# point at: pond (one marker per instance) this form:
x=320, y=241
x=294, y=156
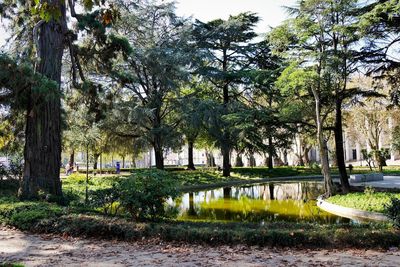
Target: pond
x=294, y=201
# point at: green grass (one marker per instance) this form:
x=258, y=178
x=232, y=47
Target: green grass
x=364, y=201
x=203, y=177
x=263, y=172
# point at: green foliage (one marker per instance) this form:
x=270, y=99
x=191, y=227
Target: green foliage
x=106, y=199
x=392, y=209
x=46, y=10
x=11, y=265
x=200, y=177
x=369, y=201
x=25, y=215
x=144, y=194
x=261, y=172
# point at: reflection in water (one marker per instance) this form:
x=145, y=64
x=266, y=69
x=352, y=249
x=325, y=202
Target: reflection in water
x=257, y=203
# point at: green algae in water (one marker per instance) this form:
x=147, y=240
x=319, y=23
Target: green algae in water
x=293, y=202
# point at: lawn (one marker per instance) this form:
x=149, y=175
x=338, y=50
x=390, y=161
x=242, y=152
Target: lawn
x=374, y=201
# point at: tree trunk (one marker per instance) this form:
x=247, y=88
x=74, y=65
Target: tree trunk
x=101, y=164
x=190, y=156
x=285, y=158
x=339, y=148
x=271, y=191
x=328, y=184
x=305, y=155
x=158, y=152
x=252, y=160
x=270, y=153
x=239, y=161
x=71, y=159
x=300, y=156
x=42, y=152
x=96, y=160
x=123, y=162
x=210, y=159
x=87, y=176
x=226, y=163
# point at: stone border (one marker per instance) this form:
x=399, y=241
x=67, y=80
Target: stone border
x=360, y=215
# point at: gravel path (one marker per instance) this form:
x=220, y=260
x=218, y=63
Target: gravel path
x=46, y=250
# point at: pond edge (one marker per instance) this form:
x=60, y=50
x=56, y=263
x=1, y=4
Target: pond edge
x=350, y=212
x=245, y=180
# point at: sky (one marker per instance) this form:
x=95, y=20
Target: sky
x=271, y=12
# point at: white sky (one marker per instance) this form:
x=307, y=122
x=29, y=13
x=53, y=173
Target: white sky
x=270, y=11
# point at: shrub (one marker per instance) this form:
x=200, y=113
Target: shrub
x=25, y=215
x=392, y=209
x=107, y=199
x=144, y=193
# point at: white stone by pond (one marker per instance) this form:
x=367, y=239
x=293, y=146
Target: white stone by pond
x=387, y=182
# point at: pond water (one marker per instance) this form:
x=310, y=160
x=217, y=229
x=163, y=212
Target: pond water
x=295, y=202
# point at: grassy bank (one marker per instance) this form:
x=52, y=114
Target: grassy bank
x=41, y=217
x=374, y=201
x=79, y=220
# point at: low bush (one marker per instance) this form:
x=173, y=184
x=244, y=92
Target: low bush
x=25, y=215
x=392, y=209
x=11, y=265
x=106, y=199
x=9, y=187
x=143, y=194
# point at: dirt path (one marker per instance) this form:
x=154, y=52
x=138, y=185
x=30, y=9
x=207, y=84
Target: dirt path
x=42, y=250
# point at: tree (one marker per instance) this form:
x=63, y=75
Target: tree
x=191, y=123
x=42, y=153
x=324, y=33
x=296, y=77
x=225, y=47
x=370, y=118
x=268, y=101
x=153, y=69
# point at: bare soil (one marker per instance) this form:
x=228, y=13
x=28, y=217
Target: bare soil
x=48, y=250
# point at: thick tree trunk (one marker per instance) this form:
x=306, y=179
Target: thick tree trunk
x=190, y=156
x=226, y=163
x=42, y=153
x=123, y=162
x=158, y=152
x=339, y=148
